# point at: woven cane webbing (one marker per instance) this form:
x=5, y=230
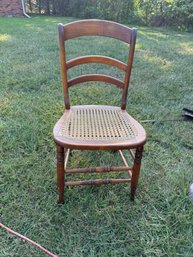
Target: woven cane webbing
x=97, y=124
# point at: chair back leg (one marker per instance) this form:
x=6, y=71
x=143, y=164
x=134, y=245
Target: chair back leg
x=136, y=171
x=60, y=173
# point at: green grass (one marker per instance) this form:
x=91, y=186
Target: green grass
x=94, y=221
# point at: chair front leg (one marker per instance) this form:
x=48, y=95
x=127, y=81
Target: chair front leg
x=136, y=171
x=60, y=173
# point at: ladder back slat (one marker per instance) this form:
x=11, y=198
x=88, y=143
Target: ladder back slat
x=96, y=59
x=96, y=77
x=97, y=28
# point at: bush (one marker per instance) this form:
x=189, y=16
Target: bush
x=178, y=13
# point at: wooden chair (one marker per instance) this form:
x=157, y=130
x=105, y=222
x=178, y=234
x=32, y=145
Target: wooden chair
x=97, y=127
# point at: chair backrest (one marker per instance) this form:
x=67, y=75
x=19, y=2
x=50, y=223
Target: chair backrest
x=96, y=28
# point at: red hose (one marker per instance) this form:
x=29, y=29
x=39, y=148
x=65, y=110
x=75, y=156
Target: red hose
x=29, y=240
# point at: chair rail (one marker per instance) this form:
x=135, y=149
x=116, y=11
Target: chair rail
x=96, y=182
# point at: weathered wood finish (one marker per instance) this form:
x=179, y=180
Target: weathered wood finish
x=126, y=163
x=131, y=152
x=113, y=138
x=66, y=158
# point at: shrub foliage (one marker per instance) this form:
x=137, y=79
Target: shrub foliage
x=177, y=13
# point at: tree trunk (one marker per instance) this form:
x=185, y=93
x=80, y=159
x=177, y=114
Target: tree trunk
x=48, y=7
x=30, y=6
x=53, y=7
x=40, y=7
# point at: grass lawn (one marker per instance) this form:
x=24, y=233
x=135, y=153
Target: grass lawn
x=94, y=221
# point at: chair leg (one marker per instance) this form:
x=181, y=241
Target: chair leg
x=136, y=171
x=60, y=173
